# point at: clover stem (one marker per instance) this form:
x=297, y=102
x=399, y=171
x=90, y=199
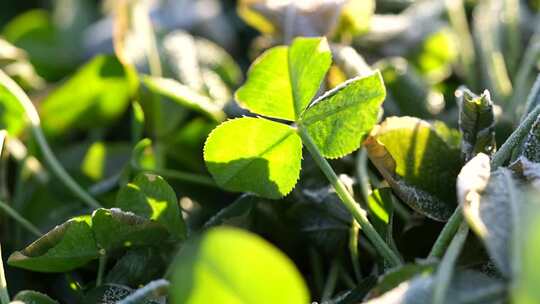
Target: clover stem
x=514, y=139
x=101, y=267
x=4, y=295
x=446, y=235
x=20, y=219
x=155, y=288
x=446, y=267
x=348, y=201
x=353, y=249
x=331, y=281
x=35, y=125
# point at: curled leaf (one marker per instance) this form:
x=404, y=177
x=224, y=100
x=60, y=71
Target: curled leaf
x=490, y=205
x=419, y=165
x=476, y=123
x=64, y=248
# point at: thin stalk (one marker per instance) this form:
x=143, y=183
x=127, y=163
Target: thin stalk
x=446, y=235
x=4, y=295
x=192, y=178
x=512, y=35
x=532, y=99
x=331, y=280
x=446, y=267
x=35, y=125
x=156, y=288
x=20, y=219
x=514, y=139
x=315, y=262
x=532, y=52
x=101, y=267
x=142, y=13
x=362, y=174
x=354, y=233
x=348, y=201
x=458, y=21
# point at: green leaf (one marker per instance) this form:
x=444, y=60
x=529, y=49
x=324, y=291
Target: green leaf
x=436, y=54
x=233, y=266
x=184, y=96
x=33, y=297
x=143, y=155
x=137, y=267
x=35, y=32
x=107, y=294
x=490, y=205
x=477, y=123
x=254, y=155
x=380, y=209
x=417, y=163
x=394, y=277
x=12, y=116
x=151, y=197
x=62, y=249
x=407, y=92
x=526, y=289
x=235, y=214
x=340, y=119
x=531, y=145
x=79, y=240
x=283, y=81
x=115, y=229
x=466, y=287
x=97, y=94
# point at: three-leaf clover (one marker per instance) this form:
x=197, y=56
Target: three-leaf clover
x=262, y=156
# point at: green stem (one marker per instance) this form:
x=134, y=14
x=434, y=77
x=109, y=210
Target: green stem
x=526, y=66
x=101, y=267
x=353, y=249
x=35, y=125
x=458, y=21
x=348, y=201
x=446, y=234
x=514, y=139
x=179, y=175
x=446, y=267
x=512, y=35
x=331, y=281
x=362, y=174
x=4, y=295
x=155, y=288
x=20, y=219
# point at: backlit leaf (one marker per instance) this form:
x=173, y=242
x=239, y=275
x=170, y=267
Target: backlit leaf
x=184, y=96
x=264, y=158
x=97, y=94
x=151, y=197
x=233, y=266
x=417, y=163
x=12, y=116
x=282, y=82
x=342, y=117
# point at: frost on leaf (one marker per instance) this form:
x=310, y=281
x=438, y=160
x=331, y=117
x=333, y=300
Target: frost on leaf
x=418, y=164
x=476, y=123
